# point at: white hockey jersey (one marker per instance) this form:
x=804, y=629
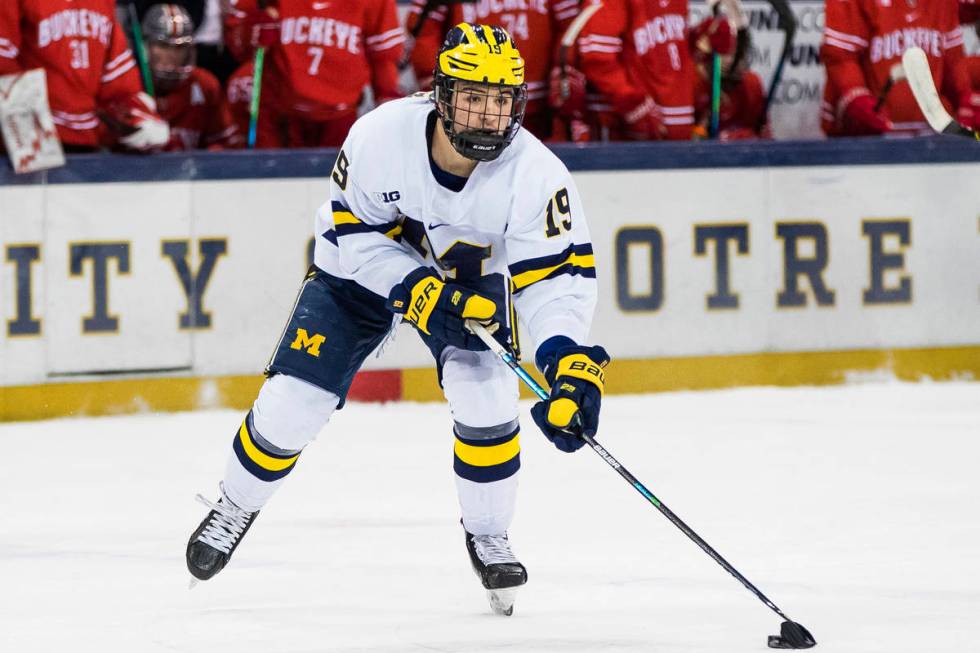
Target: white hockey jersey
x=515, y=232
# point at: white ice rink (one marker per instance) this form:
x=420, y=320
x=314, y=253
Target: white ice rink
x=855, y=509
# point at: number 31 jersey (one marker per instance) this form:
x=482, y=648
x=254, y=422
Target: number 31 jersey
x=513, y=230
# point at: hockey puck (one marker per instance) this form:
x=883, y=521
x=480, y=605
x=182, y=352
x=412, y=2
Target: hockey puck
x=793, y=636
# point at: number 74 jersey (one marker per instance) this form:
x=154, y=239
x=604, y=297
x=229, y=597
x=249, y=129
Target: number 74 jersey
x=514, y=231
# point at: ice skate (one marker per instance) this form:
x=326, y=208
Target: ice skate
x=211, y=545
x=498, y=569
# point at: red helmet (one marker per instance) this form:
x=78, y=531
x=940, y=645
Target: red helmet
x=713, y=35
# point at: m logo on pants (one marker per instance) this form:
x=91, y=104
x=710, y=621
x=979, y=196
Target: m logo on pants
x=310, y=343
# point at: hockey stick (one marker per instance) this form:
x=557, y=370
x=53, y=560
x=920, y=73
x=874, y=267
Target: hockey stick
x=715, y=125
x=413, y=33
x=792, y=634
x=568, y=40
x=927, y=97
x=564, y=47
x=140, y=47
x=253, y=108
x=896, y=74
x=427, y=9
x=787, y=22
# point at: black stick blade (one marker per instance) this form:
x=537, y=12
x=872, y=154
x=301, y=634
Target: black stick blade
x=792, y=635
x=956, y=129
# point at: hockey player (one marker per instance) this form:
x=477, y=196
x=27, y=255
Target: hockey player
x=91, y=73
x=863, y=39
x=189, y=98
x=634, y=53
x=238, y=95
x=535, y=26
x=969, y=112
x=742, y=95
x=320, y=57
x=427, y=222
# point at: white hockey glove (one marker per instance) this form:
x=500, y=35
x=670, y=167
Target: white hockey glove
x=136, y=123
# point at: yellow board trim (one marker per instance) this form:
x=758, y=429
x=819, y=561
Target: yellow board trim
x=488, y=456
x=525, y=279
x=169, y=394
x=126, y=396
x=634, y=376
x=344, y=217
x=260, y=458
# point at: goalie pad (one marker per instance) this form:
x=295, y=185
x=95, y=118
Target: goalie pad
x=29, y=132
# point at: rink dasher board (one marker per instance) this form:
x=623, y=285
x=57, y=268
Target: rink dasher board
x=171, y=294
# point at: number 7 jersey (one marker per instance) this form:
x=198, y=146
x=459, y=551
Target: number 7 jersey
x=514, y=230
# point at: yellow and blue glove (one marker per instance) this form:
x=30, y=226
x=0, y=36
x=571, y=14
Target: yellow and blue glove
x=440, y=309
x=577, y=378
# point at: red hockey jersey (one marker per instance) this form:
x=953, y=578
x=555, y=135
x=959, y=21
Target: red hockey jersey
x=863, y=39
x=83, y=52
x=198, y=115
x=636, y=48
x=739, y=107
x=535, y=25
x=327, y=53
x=238, y=95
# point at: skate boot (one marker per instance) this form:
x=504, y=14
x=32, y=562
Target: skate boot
x=498, y=569
x=211, y=545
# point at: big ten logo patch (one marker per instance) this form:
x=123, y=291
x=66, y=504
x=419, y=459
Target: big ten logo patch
x=307, y=342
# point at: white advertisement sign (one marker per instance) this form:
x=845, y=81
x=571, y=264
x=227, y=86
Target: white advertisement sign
x=198, y=278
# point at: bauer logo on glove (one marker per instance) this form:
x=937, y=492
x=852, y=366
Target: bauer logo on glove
x=577, y=381
x=439, y=309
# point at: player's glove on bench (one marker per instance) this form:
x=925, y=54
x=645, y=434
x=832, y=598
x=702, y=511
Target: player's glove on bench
x=440, y=309
x=577, y=379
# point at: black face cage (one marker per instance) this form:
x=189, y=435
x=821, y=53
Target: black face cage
x=479, y=144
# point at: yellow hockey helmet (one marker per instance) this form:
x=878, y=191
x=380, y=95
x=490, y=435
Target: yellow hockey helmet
x=483, y=61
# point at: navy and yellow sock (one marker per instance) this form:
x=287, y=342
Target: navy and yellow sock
x=263, y=460
x=486, y=459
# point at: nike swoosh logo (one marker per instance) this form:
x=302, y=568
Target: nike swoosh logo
x=433, y=227
x=319, y=6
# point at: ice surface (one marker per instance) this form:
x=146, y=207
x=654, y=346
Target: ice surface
x=853, y=508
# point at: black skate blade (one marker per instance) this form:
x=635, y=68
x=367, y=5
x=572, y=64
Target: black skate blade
x=793, y=636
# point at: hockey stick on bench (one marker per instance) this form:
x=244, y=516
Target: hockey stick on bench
x=792, y=634
x=927, y=97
